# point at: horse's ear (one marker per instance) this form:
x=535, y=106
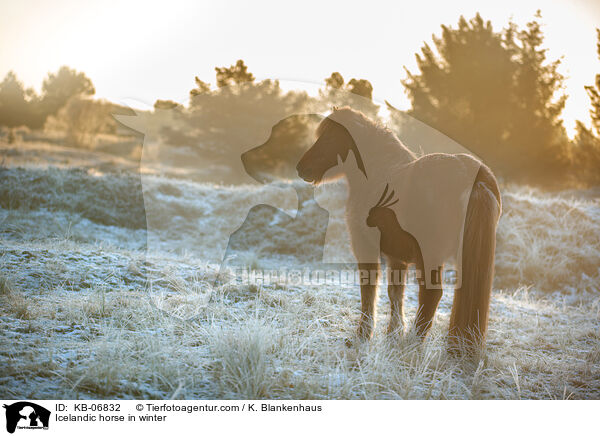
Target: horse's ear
x=334, y=108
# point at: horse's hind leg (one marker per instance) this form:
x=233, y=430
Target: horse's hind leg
x=428, y=303
x=369, y=275
x=396, y=274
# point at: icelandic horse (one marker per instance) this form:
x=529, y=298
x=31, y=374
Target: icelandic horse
x=449, y=203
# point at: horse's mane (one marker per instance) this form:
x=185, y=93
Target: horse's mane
x=370, y=136
x=357, y=117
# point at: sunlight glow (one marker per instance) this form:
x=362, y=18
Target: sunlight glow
x=151, y=50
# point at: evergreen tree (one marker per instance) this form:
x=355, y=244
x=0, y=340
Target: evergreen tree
x=235, y=74
x=361, y=87
x=201, y=87
x=17, y=105
x=58, y=88
x=594, y=93
x=222, y=123
x=335, y=81
x=357, y=93
x=586, y=150
x=495, y=93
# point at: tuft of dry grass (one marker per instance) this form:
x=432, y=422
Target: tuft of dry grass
x=549, y=242
x=242, y=358
x=6, y=286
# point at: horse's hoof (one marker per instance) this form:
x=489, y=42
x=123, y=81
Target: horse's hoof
x=396, y=330
x=365, y=332
x=359, y=338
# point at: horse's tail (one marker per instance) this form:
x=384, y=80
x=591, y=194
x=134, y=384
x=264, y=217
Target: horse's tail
x=469, y=318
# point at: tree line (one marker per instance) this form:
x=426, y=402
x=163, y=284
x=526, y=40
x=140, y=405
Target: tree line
x=20, y=106
x=497, y=94
x=494, y=91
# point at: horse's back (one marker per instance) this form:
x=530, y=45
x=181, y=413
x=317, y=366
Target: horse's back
x=457, y=163
x=434, y=192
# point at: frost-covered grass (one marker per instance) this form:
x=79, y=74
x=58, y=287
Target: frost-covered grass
x=86, y=311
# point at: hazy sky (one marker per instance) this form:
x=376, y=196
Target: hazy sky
x=147, y=50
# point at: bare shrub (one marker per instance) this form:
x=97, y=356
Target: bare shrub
x=82, y=120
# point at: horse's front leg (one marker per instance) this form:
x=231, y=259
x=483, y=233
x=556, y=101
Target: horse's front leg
x=396, y=271
x=369, y=276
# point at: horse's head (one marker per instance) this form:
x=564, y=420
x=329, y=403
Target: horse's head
x=381, y=214
x=333, y=142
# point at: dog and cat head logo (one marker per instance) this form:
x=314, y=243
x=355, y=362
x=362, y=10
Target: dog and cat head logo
x=26, y=415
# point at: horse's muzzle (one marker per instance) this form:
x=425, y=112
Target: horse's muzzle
x=303, y=174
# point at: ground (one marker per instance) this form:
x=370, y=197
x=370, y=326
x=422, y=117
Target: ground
x=88, y=310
